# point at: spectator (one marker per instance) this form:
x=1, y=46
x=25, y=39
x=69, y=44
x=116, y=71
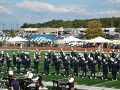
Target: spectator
x=38, y=81
x=10, y=75
x=15, y=84
x=71, y=82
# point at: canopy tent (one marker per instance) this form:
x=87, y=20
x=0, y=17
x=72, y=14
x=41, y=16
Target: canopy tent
x=71, y=38
x=49, y=36
x=17, y=39
x=116, y=41
x=99, y=40
x=42, y=38
x=5, y=38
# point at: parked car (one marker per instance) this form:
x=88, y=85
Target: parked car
x=55, y=45
x=75, y=44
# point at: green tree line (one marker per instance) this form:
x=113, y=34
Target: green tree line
x=106, y=22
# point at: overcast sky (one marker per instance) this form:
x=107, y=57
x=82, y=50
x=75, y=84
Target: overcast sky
x=13, y=13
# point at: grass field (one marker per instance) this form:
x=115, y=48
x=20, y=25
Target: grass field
x=78, y=80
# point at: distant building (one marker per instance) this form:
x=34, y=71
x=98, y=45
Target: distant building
x=49, y=30
x=38, y=30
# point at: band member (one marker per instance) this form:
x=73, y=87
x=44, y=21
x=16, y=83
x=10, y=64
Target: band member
x=80, y=60
x=89, y=63
x=76, y=65
x=72, y=53
x=66, y=67
x=57, y=66
x=14, y=59
x=96, y=55
x=118, y=65
x=99, y=63
x=93, y=69
x=61, y=51
x=46, y=65
x=2, y=58
x=71, y=62
x=36, y=65
x=114, y=71
x=8, y=61
x=18, y=64
x=36, y=61
x=105, y=70
x=49, y=54
x=85, y=54
x=113, y=54
x=103, y=56
x=84, y=68
x=109, y=63
x=27, y=60
x=38, y=52
x=91, y=54
x=54, y=58
x=22, y=57
x=18, y=52
x=0, y=63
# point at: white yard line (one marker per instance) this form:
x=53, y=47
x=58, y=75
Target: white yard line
x=102, y=83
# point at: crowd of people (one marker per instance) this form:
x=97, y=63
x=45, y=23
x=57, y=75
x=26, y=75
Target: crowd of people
x=83, y=63
x=80, y=63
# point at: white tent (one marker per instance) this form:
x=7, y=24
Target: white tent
x=99, y=40
x=17, y=39
x=71, y=38
x=116, y=41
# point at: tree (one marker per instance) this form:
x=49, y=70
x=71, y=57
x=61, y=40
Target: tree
x=12, y=33
x=25, y=25
x=94, y=29
x=118, y=29
x=105, y=22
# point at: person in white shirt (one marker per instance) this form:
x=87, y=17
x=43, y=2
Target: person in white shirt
x=29, y=74
x=26, y=73
x=38, y=81
x=71, y=82
x=10, y=72
x=10, y=75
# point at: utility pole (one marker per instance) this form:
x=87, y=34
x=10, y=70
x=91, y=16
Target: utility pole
x=11, y=26
x=16, y=25
x=3, y=26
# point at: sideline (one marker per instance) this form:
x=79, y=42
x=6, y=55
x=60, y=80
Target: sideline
x=102, y=83
x=51, y=50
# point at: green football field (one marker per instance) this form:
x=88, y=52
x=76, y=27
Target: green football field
x=78, y=80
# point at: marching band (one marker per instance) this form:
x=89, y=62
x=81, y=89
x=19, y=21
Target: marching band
x=83, y=64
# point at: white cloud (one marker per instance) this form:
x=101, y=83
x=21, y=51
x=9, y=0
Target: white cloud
x=113, y=2
x=2, y=1
x=46, y=7
x=79, y=11
x=107, y=13
x=41, y=6
x=4, y=10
